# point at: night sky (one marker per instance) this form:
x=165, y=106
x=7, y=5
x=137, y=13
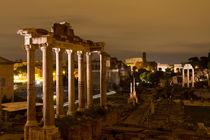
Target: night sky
x=170, y=31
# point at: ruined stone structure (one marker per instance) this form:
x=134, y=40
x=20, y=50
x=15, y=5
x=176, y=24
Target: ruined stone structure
x=133, y=98
x=177, y=68
x=60, y=39
x=190, y=73
x=6, y=78
x=162, y=67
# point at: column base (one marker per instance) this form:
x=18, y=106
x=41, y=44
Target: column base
x=31, y=123
x=59, y=116
x=28, y=126
x=70, y=113
x=81, y=109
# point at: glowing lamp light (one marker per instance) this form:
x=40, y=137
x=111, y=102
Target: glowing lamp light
x=54, y=97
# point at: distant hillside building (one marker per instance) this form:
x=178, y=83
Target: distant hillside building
x=6, y=78
x=141, y=62
x=162, y=67
x=131, y=62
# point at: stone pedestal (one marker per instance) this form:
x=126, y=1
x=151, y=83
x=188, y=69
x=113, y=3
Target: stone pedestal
x=59, y=83
x=71, y=83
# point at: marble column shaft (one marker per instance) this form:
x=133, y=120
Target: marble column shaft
x=193, y=78
x=89, y=79
x=71, y=83
x=31, y=94
x=81, y=81
x=188, y=78
x=59, y=83
x=183, y=78
x=103, y=102
x=48, y=103
x=0, y=105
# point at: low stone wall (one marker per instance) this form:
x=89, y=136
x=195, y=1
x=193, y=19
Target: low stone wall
x=205, y=93
x=91, y=129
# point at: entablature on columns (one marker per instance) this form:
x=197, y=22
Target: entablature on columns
x=62, y=36
x=188, y=66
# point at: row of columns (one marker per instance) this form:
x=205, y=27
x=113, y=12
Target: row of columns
x=188, y=78
x=48, y=103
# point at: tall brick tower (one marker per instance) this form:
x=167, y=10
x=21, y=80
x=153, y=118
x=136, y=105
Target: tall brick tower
x=144, y=57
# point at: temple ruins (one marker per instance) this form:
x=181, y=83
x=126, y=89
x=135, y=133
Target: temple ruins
x=190, y=75
x=61, y=39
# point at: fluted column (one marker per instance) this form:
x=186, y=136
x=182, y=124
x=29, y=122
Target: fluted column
x=81, y=81
x=48, y=104
x=193, y=78
x=89, y=79
x=31, y=94
x=103, y=102
x=59, y=82
x=71, y=83
x=188, y=78
x=183, y=78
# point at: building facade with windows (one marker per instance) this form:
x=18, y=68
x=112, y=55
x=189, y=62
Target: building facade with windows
x=6, y=79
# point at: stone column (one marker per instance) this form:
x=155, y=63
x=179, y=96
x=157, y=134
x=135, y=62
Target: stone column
x=131, y=89
x=134, y=90
x=183, y=78
x=103, y=102
x=193, y=78
x=71, y=83
x=85, y=85
x=0, y=105
x=188, y=78
x=89, y=80
x=48, y=103
x=80, y=81
x=31, y=94
x=209, y=78
x=59, y=83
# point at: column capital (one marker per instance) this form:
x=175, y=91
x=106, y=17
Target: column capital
x=80, y=53
x=69, y=51
x=58, y=50
x=29, y=47
x=88, y=53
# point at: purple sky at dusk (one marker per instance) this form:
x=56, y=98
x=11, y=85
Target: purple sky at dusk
x=170, y=31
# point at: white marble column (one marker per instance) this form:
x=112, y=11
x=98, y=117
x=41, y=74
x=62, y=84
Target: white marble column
x=188, y=78
x=71, y=83
x=89, y=80
x=48, y=103
x=31, y=93
x=103, y=101
x=183, y=78
x=59, y=82
x=131, y=90
x=193, y=78
x=81, y=81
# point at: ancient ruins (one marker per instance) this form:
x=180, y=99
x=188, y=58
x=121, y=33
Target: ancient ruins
x=59, y=40
x=190, y=73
